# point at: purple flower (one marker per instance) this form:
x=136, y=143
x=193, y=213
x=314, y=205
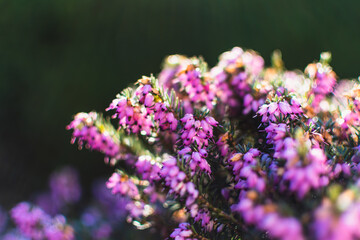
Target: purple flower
x=172, y=66
x=196, y=160
x=176, y=180
x=274, y=110
x=148, y=170
x=103, y=231
x=86, y=131
x=234, y=75
x=91, y=217
x=197, y=131
x=65, y=186
x=245, y=173
x=206, y=222
x=28, y=219
x=252, y=104
x=282, y=228
x=285, y=108
x=324, y=79
x=200, y=92
x=223, y=145
x=186, y=77
x=58, y=230
x=138, y=209
x=276, y=133
x=34, y=223
x=164, y=117
x=131, y=117
x=183, y=232
x=338, y=221
x=15, y=234
x=113, y=206
x=310, y=173
x=266, y=218
x=123, y=185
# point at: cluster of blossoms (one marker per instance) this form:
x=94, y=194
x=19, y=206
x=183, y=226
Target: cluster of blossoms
x=266, y=218
x=51, y=216
x=237, y=151
x=45, y=218
x=175, y=179
x=94, y=135
x=190, y=80
x=338, y=215
x=183, y=232
x=304, y=174
x=34, y=223
x=121, y=184
x=323, y=80
x=236, y=77
x=196, y=133
x=245, y=173
x=144, y=110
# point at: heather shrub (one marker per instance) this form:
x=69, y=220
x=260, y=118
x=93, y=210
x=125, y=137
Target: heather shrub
x=236, y=151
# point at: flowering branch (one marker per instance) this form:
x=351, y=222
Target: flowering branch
x=236, y=148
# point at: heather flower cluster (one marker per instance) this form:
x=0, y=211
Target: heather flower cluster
x=51, y=215
x=196, y=133
x=176, y=180
x=236, y=151
x=94, y=134
x=34, y=223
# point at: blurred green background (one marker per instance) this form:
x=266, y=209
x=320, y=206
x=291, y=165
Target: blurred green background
x=59, y=57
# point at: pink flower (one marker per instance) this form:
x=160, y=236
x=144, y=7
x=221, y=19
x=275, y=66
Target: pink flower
x=175, y=179
x=34, y=223
x=86, y=131
x=285, y=107
x=275, y=110
x=123, y=185
x=277, y=226
x=183, y=232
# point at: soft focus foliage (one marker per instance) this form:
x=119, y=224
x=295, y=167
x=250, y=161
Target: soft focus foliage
x=62, y=214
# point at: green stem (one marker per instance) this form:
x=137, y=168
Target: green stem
x=220, y=212
x=199, y=237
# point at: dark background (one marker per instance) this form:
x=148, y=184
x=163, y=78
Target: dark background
x=59, y=57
